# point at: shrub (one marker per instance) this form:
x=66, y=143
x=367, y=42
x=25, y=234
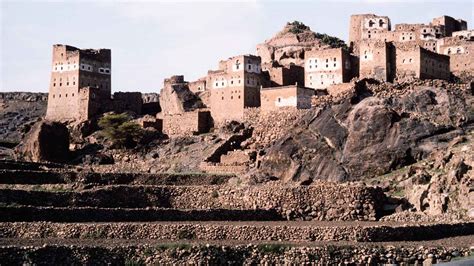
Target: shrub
x=120, y=130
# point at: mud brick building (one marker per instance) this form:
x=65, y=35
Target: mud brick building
x=80, y=86
x=293, y=96
x=460, y=49
x=79, y=80
x=327, y=67
x=234, y=87
x=375, y=60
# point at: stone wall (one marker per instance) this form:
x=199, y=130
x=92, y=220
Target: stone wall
x=321, y=201
x=287, y=96
x=187, y=123
x=127, y=101
x=215, y=254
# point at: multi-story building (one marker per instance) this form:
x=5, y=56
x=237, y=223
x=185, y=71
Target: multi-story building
x=80, y=79
x=234, y=87
x=327, y=67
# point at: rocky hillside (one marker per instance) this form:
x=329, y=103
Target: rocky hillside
x=18, y=112
x=288, y=45
x=370, y=132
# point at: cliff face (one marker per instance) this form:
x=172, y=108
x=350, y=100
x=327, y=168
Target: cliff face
x=18, y=112
x=288, y=46
x=369, y=134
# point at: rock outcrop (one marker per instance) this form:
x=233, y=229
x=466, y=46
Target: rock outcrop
x=367, y=135
x=288, y=46
x=18, y=112
x=47, y=141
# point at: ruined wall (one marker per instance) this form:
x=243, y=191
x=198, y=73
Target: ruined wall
x=287, y=96
x=367, y=26
x=283, y=76
x=449, y=24
x=198, y=85
x=127, y=101
x=326, y=67
x=434, y=65
x=186, y=123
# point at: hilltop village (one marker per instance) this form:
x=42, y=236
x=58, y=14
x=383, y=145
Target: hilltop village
x=289, y=70
x=311, y=151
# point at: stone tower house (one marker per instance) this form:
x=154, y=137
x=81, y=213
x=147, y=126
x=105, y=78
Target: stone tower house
x=80, y=83
x=235, y=86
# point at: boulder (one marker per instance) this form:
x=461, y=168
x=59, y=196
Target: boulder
x=366, y=136
x=47, y=141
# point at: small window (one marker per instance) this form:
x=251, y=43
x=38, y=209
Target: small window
x=60, y=84
x=222, y=97
x=54, y=84
x=73, y=95
x=54, y=96
x=67, y=83
x=66, y=95
x=217, y=84
x=334, y=59
x=279, y=99
x=231, y=97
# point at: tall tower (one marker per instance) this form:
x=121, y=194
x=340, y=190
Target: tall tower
x=78, y=77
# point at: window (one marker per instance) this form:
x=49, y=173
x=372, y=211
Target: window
x=107, y=71
x=222, y=97
x=279, y=99
x=66, y=95
x=60, y=84
x=82, y=67
x=231, y=97
x=334, y=64
x=54, y=96
x=381, y=23
x=217, y=84
x=334, y=59
x=250, y=67
x=89, y=68
x=73, y=83
x=54, y=84
x=232, y=82
x=73, y=95
x=371, y=23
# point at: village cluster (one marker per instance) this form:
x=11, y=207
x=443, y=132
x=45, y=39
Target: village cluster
x=289, y=70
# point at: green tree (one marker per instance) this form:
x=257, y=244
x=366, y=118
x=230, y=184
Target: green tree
x=120, y=130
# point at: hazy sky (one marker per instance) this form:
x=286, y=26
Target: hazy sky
x=151, y=40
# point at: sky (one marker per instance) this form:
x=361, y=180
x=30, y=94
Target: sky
x=152, y=40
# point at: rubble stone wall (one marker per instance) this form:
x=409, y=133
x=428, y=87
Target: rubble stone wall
x=322, y=201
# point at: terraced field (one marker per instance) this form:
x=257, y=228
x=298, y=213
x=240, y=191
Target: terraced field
x=54, y=215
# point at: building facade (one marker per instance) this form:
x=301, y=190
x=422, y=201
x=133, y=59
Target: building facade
x=79, y=78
